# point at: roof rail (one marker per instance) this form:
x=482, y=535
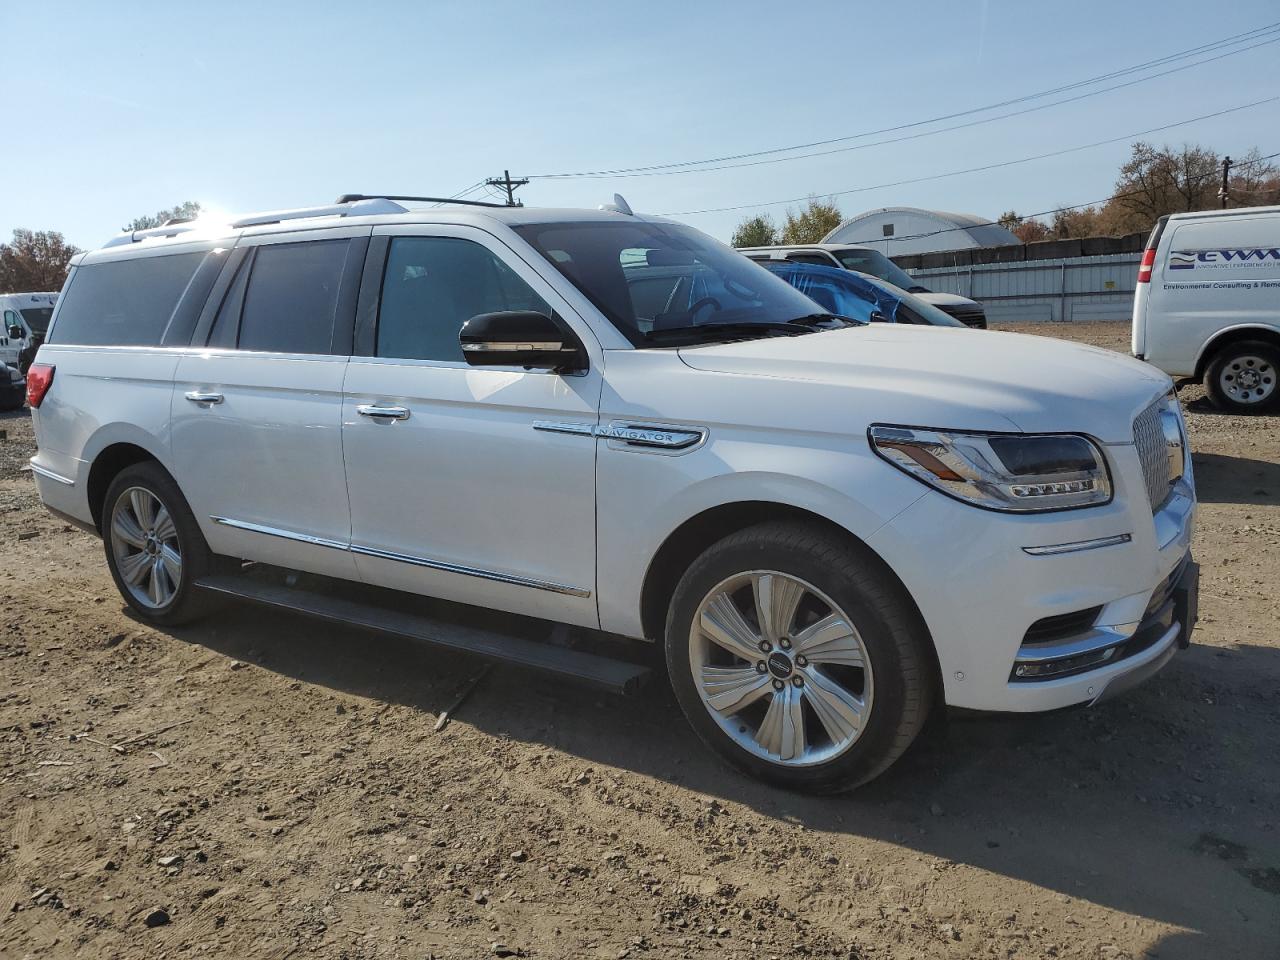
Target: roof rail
x=357, y=207
x=168, y=230
x=353, y=197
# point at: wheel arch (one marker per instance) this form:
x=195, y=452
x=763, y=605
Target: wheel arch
x=1263, y=333
x=684, y=544
x=106, y=466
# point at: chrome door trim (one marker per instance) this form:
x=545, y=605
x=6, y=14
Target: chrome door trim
x=629, y=434
x=283, y=534
x=1053, y=550
x=442, y=565
x=46, y=472
x=471, y=571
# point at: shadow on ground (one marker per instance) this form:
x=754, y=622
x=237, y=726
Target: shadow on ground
x=1224, y=479
x=1162, y=805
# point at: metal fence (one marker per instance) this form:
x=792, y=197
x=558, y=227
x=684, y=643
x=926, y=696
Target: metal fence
x=1051, y=290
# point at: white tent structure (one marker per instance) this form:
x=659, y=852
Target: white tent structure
x=900, y=230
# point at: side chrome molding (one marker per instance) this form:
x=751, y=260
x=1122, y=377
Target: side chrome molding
x=629, y=434
x=46, y=472
x=445, y=566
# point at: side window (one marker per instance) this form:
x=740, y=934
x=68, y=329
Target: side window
x=124, y=302
x=10, y=320
x=292, y=296
x=432, y=286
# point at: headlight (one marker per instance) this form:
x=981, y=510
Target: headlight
x=1019, y=473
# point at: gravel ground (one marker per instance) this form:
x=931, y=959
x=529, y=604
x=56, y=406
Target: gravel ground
x=280, y=790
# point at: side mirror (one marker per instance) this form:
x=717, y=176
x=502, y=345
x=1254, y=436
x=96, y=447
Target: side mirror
x=16, y=332
x=520, y=338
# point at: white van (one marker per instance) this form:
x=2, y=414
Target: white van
x=1207, y=306
x=26, y=320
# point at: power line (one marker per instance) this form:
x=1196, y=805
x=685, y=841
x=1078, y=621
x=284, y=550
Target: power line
x=1074, y=206
x=990, y=166
x=926, y=133
x=683, y=166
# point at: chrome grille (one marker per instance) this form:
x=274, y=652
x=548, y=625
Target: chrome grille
x=1148, y=437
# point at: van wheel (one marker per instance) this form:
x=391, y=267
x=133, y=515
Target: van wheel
x=797, y=657
x=1242, y=377
x=154, y=548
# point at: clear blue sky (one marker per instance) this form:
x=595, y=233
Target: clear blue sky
x=112, y=110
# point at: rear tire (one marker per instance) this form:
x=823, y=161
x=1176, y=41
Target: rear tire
x=154, y=547
x=1244, y=377
x=825, y=722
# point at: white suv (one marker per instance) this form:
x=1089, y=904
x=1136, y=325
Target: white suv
x=614, y=422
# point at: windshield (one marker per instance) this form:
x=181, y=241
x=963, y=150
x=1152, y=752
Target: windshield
x=653, y=277
x=912, y=309
x=878, y=265
x=38, y=319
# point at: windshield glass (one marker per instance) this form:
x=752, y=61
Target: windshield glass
x=878, y=265
x=38, y=319
x=916, y=310
x=650, y=277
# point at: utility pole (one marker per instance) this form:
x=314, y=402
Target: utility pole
x=509, y=185
x=1222, y=192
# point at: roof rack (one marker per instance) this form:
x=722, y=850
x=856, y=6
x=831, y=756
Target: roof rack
x=352, y=197
x=347, y=205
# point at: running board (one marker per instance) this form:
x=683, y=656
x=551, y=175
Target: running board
x=617, y=676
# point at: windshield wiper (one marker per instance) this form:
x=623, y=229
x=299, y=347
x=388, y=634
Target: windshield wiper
x=730, y=331
x=816, y=320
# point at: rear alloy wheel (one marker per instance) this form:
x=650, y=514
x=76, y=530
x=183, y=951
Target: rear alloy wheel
x=154, y=548
x=798, y=657
x=1243, y=378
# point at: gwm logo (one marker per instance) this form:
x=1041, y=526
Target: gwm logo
x=1238, y=257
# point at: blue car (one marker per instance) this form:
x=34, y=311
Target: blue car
x=858, y=296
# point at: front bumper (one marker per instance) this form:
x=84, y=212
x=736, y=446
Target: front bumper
x=980, y=590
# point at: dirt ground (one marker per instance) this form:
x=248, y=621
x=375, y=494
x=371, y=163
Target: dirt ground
x=281, y=791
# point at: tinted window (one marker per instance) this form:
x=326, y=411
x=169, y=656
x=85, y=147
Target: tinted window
x=877, y=265
x=433, y=285
x=38, y=318
x=292, y=296
x=124, y=302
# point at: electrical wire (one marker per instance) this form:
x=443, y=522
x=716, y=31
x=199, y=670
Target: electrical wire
x=921, y=135
x=990, y=166
x=1075, y=206
x=1270, y=30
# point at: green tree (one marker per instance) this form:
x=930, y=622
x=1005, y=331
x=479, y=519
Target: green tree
x=183, y=211
x=34, y=261
x=757, y=231
x=811, y=222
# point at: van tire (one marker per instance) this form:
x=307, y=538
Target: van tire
x=1257, y=360
x=898, y=692
x=149, y=484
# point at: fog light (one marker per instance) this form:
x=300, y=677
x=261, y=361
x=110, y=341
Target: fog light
x=1047, y=669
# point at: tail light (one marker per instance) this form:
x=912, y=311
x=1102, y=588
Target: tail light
x=1144, y=268
x=39, y=380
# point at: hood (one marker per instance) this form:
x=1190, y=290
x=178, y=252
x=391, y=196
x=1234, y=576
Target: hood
x=947, y=299
x=951, y=378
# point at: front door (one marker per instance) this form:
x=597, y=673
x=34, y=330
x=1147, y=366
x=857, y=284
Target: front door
x=257, y=407
x=458, y=489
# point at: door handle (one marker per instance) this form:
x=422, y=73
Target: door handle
x=382, y=413
x=196, y=396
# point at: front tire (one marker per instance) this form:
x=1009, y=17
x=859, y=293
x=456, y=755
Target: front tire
x=798, y=658
x=1244, y=378
x=154, y=547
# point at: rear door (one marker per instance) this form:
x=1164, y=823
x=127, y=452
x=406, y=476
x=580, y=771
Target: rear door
x=257, y=407
x=467, y=483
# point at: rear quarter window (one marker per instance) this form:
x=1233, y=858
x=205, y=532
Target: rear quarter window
x=124, y=302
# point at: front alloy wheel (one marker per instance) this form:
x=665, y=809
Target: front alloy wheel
x=798, y=656
x=781, y=668
x=144, y=540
